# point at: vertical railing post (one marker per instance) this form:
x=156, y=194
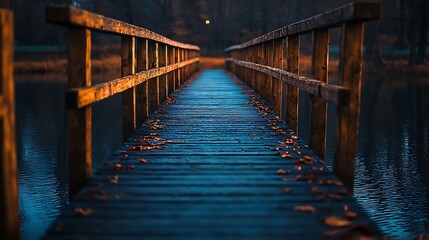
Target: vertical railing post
x=142, y=111
x=128, y=67
x=292, y=91
x=9, y=217
x=163, y=58
x=183, y=69
x=79, y=120
x=278, y=83
x=178, y=71
x=171, y=75
x=270, y=62
x=348, y=116
x=285, y=86
x=318, y=105
x=153, y=84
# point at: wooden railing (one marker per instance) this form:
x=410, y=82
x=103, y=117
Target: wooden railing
x=153, y=66
x=9, y=216
x=270, y=65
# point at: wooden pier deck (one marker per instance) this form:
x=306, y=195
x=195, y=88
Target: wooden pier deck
x=213, y=163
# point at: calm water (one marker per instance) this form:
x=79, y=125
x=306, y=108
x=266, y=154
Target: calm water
x=392, y=164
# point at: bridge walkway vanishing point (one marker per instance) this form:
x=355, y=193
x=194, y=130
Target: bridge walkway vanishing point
x=213, y=161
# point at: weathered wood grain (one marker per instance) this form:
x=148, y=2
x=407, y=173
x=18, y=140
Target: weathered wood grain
x=129, y=96
x=163, y=81
x=347, y=124
x=318, y=106
x=72, y=16
x=9, y=202
x=354, y=11
x=79, y=120
x=142, y=111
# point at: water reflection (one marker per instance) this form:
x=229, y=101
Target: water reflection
x=392, y=165
x=42, y=165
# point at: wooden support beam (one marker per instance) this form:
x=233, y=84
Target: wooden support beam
x=171, y=75
x=142, y=111
x=278, y=83
x=318, y=106
x=9, y=203
x=292, y=91
x=153, y=84
x=128, y=67
x=79, y=120
x=162, y=62
x=270, y=62
x=347, y=124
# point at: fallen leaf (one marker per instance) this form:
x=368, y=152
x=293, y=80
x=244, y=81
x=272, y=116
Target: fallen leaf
x=81, y=212
x=351, y=215
x=141, y=160
x=288, y=179
x=294, y=137
x=118, y=166
x=337, y=221
x=114, y=179
x=281, y=171
x=287, y=190
x=298, y=168
x=305, y=208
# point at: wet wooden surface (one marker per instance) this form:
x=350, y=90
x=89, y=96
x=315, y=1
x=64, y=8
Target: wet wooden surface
x=222, y=166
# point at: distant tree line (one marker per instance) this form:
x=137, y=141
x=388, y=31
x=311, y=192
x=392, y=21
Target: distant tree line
x=404, y=25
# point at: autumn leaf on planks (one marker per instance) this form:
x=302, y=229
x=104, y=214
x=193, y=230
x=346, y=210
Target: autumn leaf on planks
x=337, y=221
x=82, y=212
x=305, y=208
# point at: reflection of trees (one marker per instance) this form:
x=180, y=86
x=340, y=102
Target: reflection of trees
x=393, y=151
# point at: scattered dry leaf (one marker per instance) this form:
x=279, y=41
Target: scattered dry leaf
x=141, y=160
x=81, y=212
x=305, y=208
x=337, y=221
x=118, y=166
x=287, y=190
x=281, y=171
x=114, y=179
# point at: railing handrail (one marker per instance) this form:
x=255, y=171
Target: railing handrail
x=71, y=16
x=152, y=67
x=274, y=73
x=364, y=10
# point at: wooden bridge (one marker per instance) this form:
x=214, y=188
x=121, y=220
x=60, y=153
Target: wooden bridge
x=212, y=153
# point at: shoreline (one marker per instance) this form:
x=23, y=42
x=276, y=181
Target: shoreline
x=112, y=65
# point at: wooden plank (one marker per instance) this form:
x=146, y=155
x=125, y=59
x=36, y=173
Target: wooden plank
x=355, y=11
x=72, y=16
x=153, y=83
x=163, y=81
x=81, y=97
x=347, y=124
x=277, y=83
x=177, y=59
x=79, y=120
x=128, y=67
x=142, y=111
x=171, y=75
x=318, y=106
x=270, y=63
x=292, y=91
x=9, y=202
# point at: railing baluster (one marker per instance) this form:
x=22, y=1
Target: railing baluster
x=318, y=105
x=128, y=67
x=172, y=75
x=178, y=72
x=163, y=59
x=277, y=83
x=153, y=84
x=270, y=62
x=9, y=217
x=79, y=127
x=142, y=110
x=348, y=116
x=292, y=91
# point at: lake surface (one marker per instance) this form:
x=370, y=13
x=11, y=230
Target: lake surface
x=392, y=163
